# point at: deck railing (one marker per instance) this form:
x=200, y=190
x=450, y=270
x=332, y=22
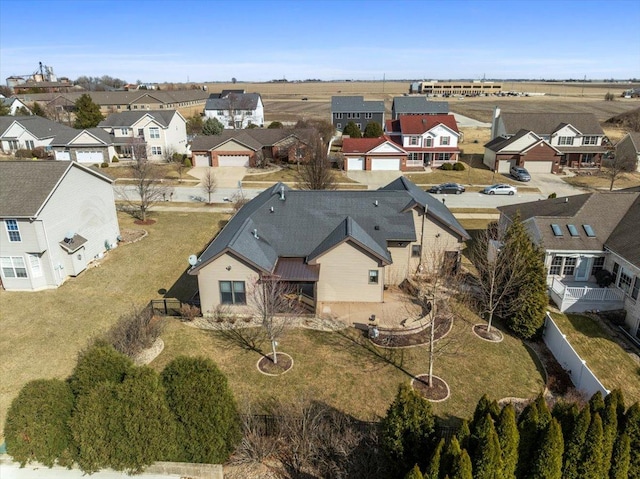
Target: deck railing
x=565, y=295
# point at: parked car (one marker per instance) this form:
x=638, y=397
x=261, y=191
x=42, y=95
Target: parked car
x=500, y=189
x=451, y=188
x=520, y=174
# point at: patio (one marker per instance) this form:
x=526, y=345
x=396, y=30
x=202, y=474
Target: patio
x=580, y=296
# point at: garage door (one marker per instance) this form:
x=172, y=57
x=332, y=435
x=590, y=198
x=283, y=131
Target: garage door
x=89, y=157
x=355, y=164
x=538, y=166
x=505, y=165
x=386, y=164
x=201, y=160
x=233, y=160
x=62, y=155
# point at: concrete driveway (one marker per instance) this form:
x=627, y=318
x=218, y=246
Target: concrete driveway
x=374, y=179
x=226, y=176
x=549, y=183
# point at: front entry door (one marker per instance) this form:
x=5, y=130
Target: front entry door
x=583, y=270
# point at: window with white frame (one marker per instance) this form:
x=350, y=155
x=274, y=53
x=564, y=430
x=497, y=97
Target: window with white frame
x=636, y=288
x=232, y=292
x=589, y=140
x=368, y=116
x=416, y=250
x=124, y=131
x=248, y=112
x=556, y=265
x=569, y=266
x=444, y=140
x=615, y=271
x=414, y=157
x=141, y=132
x=565, y=140
x=154, y=132
x=624, y=282
x=598, y=265
x=156, y=150
x=443, y=156
x=338, y=116
x=428, y=141
x=359, y=125
x=13, y=145
x=373, y=276
x=413, y=140
x=13, y=231
x=34, y=264
x=220, y=112
x=29, y=144
x=13, y=267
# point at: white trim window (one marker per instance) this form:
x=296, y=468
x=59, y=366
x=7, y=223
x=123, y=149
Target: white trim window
x=428, y=142
x=625, y=280
x=368, y=116
x=156, y=150
x=338, y=116
x=565, y=140
x=373, y=276
x=232, y=292
x=124, y=131
x=589, y=140
x=445, y=140
x=13, y=267
x=636, y=288
x=556, y=266
x=29, y=144
x=34, y=264
x=154, y=133
x=413, y=140
x=569, y=266
x=13, y=231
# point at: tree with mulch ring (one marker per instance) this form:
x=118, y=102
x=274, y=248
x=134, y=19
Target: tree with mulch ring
x=492, y=335
x=267, y=366
x=437, y=392
x=385, y=340
x=145, y=222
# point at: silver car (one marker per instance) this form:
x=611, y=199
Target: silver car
x=500, y=189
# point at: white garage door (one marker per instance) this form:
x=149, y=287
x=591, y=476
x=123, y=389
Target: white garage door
x=355, y=164
x=385, y=164
x=505, y=165
x=62, y=155
x=89, y=157
x=538, y=166
x=233, y=160
x=201, y=160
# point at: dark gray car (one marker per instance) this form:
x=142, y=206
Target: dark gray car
x=520, y=174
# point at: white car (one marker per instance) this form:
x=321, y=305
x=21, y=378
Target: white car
x=500, y=189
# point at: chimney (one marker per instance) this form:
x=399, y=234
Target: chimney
x=282, y=193
x=255, y=234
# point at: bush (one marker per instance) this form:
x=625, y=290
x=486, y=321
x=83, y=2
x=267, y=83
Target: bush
x=608, y=96
x=37, y=428
x=99, y=363
x=187, y=163
x=135, y=331
x=552, y=195
x=447, y=167
x=39, y=152
x=24, y=153
x=177, y=157
x=604, y=278
x=104, y=164
x=252, y=126
x=115, y=159
x=189, y=312
x=275, y=124
x=458, y=166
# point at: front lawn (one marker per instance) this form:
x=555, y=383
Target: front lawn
x=288, y=175
x=600, y=182
x=471, y=176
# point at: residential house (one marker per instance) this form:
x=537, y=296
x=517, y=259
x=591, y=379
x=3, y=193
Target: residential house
x=582, y=235
x=524, y=149
x=14, y=104
x=578, y=136
x=27, y=132
x=332, y=246
x=354, y=108
x=235, y=109
x=427, y=139
x=630, y=146
x=417, y=105
x=247, y=147
x=374, y=154
x=57, y=218
x=160, y=132
x=93, y=145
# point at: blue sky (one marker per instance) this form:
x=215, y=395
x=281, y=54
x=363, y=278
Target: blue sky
x=198, y=40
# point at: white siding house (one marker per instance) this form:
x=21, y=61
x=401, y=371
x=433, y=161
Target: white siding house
x=236, y=110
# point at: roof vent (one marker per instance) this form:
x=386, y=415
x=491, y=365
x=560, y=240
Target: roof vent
x=282, y=193
x=255, y=234
x=376, y=227
x=566, y=199
x=375, y=203
x=271, y=209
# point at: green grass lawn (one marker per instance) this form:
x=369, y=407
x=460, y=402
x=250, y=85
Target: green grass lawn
x=608, y=361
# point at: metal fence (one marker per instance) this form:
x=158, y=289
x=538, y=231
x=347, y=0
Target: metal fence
x=166, y=306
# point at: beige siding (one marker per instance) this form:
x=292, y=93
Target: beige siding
x=231, y=146
x=435, y=239
x=211, y=274
x=344, y=275
x=399, y=270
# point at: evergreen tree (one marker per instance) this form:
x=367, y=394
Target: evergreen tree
x=87, y=113
x=544, y=415
x=461, y=468
x=352, y=130
x=609, y=431
x=547, y=461
x=433, y=469
x=37, y=110
x=487, y=459
x=617, y=398
x=620, y=458
x=632, y=429
x=509, y=438
x=574, y=445
x=414, y=473
x=566, y=414
x=450, y=456
x=528, y=430
x=464, y=434
x=373, y=130
x=485, y=406
x=97, y=364
x=212, y=126
x=591, y=466
x=596, y=404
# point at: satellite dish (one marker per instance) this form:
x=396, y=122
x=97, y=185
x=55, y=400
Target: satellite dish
x=193, y=259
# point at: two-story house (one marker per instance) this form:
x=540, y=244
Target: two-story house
x=417, y=105
x=28, y=132
x=525, y=149
x=55, y=218
x=345, y=109
x=235, y=109
x=427, y=139
x=155, y=133
x=630, y=146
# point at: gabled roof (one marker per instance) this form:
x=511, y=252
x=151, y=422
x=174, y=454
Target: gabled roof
x=130, y=118
x=252, y=138
x=25, y=186
x=507, y=145
x=124, y=97
x=419, y=124
x=418, y=105
x=546, y=123
x=634, y=136
x=351, y=104
x=365, y=145
x=65, y=138
x=36, y=125
x=239, y=101
x=624, y=239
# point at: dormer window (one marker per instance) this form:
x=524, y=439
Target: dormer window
x=565, y=140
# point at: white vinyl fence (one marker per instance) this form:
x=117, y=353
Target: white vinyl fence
x=581, y=376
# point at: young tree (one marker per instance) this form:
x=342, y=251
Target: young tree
x=212, y=126
x=147, y=186
x=36, y=428
x=487, y=457
x=4, y=110
x=461, y=467
x=433, y=468
x=620, y=458
x=194, y=125
x=591, y=466
x=209, y=184
x=315, y=172
x=632, y=429
x=178, y=162
x=324, y=128
x=414, y=473
x=275, y=124
x=352, y=130
x=547, y=462
x=616, y=166
x=87, y=113
x=509, y=438
x=373, y=130
x=574, y=445
x=449, y=457
x=37, y=110
x=203, y=405
x=528, y=430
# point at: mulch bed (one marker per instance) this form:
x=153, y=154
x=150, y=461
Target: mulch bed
x=267, y=366
x=404, y=340
x=145, y=222
x=438, y=392
x=494, y=335
x=130, y=236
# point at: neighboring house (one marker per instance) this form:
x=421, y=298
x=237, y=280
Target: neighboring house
x=14, y=104
x=57, y=217
x=630, y=146
x=354, y=108
x=578, y=136
x=243, y=147
x=332, y=246
x=374, y=154
x=428, y=139
x=28, y=132
x=582, y=235
x=235, y=109
x=417, y=105
x=524, y=149
x=93, y=145
x=160, y=131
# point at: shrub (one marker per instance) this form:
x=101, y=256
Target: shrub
x=604, y=278
x=189, y=312
x=552, y=195
x=187, y=163
x=177, y=157
x=24, y=153
x=252, y=126
x=104, y=164
x=608, y=96
x=458, y=166
x=114, y=159
x=37, y=428
x=208, y=422
x=447, y=167
x=275, y=124
x=99, y=363
x=135, y=331
x=39, y=152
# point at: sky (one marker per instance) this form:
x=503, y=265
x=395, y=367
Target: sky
x=261, y=40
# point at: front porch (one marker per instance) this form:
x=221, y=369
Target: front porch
x=580, y=296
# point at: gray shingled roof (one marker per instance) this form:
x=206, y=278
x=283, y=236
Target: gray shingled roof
x=624, y=239
x=36, y=125
x=122, y=97
x=357, y=104
x=547, y=123
x=128, y=118
x=67, y=136
x=255, y=138
x=25, y=185
x=419, y=105
x=239, y=101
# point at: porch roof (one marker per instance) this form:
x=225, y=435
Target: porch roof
x=295, y=269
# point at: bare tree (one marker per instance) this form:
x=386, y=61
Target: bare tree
x=148, y=186
x=209, y=183
x=315, y=173
x=616, y=166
